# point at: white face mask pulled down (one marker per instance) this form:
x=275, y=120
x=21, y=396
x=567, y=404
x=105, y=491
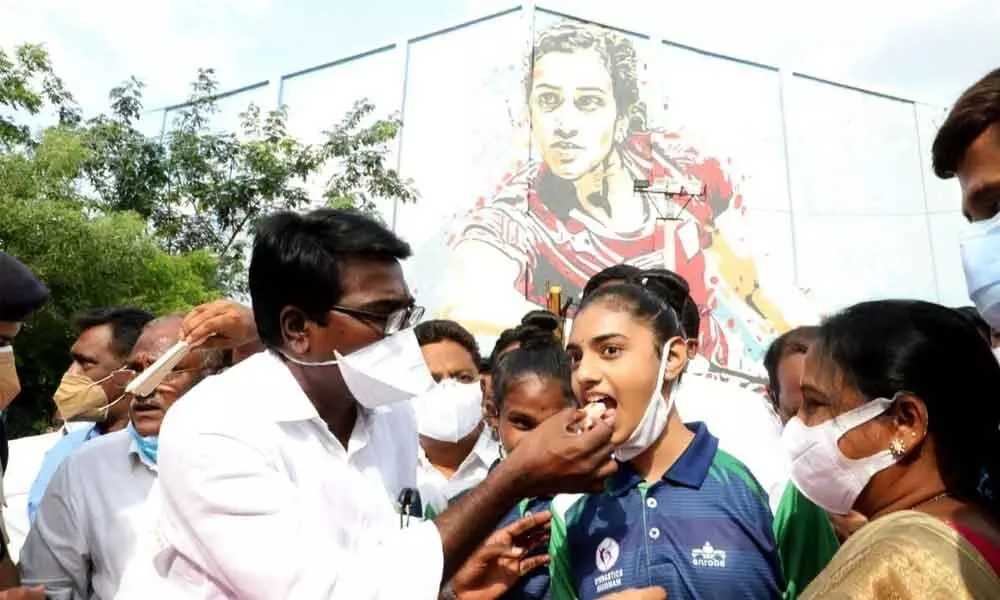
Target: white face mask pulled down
x=386, y=372
x=980, y=247
x=820, y=470
x=654, y=419
x=449, y=411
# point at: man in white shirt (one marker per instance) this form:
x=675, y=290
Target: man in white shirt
x=455, y=451
x=277, y=476
x=94, y=508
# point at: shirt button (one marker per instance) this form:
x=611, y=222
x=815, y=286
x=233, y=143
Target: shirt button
x=654, y=533
x=651, y=502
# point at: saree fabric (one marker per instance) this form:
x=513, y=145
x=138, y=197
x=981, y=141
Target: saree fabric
x=906, y=555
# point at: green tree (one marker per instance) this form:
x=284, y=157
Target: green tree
x=27, y=83
x=204, y=188
x=87, y=262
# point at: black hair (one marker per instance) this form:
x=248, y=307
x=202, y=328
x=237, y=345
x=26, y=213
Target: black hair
x=646, y=303
x=439, y=330
x=538, y=354
x=673, y=289
x=540, y=324
x=623, y=272
x=297, y=258
x=21, y=293
x=977, y=320
x=677, y=293
x=126, y=324
x=891, y=346
x=974, y=112
x=793, y=341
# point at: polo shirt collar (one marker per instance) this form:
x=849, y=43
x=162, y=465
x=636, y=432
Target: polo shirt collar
x=690, y=469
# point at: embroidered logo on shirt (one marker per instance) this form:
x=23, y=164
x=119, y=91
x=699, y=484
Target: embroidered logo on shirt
x=707, y=556
x=607, y=554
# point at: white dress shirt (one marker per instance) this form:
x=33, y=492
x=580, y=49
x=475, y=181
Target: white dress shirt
x=743, y=421
x=93, y=510
x=260, y=500
x=436, y=490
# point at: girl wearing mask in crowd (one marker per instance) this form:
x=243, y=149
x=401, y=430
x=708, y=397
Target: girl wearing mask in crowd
x=899, y=422
x=679, y=513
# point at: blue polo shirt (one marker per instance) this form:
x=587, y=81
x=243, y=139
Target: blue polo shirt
x=534, y=585
x=703, y=531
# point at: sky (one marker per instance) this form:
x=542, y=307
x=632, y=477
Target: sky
x=927, y=50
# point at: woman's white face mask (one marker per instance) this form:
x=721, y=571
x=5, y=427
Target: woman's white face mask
x=654, y=419
x=820, y=470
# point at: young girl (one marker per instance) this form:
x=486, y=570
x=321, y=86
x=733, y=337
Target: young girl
x=531, y=382
x=679, y=513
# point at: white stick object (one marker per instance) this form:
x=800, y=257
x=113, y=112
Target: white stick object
x=146, y=382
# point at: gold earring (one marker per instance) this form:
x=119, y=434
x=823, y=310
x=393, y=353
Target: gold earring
x=897, y=448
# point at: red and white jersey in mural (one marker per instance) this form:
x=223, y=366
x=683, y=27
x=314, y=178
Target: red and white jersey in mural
x=555, y=243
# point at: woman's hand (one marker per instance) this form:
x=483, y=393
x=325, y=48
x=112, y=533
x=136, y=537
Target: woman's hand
x=502, y=559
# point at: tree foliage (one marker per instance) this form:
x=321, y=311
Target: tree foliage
x=87, y=262
x=108, y=215
x=27, y=83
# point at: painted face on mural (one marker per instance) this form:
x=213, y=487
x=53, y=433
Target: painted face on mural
x=573, y=111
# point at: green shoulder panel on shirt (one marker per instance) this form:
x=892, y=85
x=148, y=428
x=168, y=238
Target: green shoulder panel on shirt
x=806, y=540
x=565, y=508
x=725, y=465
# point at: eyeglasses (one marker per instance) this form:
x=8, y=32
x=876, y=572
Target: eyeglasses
x=392, y=322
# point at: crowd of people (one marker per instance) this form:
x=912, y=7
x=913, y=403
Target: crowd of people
x=330, y=442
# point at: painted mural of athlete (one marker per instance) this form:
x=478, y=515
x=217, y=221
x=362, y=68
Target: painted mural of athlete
x=561, y=220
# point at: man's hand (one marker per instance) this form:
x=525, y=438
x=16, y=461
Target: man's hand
x=23, y=593
x=503, y=559
x=219, y=324
x=650, y=593
x=560, y=456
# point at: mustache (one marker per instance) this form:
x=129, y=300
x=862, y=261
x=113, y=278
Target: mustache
x=146, y=402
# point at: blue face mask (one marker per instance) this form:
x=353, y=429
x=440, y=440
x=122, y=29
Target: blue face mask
x=148, y=444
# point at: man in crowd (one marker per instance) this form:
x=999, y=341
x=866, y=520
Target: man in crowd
x=784, y=361
x=92, y=386
x=21, y=293
x=968, y=146
x=455, y=453
x=276, y=475
x=94, y=509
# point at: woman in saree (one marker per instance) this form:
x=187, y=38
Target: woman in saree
x=899, y=421
x=561, y=220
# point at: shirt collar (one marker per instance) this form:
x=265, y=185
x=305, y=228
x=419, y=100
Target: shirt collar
x=690, y=469
x=282, y=399
x=485, y=453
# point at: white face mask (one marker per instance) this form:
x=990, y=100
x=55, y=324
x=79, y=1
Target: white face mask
x=389, y=371
x=654, y=419
x=449, y=411
x=980, y=247
x=820, y=470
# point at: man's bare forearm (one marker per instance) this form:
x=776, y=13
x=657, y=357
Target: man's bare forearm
x=474, y=516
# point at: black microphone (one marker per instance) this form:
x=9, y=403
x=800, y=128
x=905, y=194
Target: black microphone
x=410, y=505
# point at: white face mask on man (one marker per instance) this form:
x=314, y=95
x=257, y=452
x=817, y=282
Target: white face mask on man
x=980, y=247
x=449, y=411
x=386, y=372
x=820, y=470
